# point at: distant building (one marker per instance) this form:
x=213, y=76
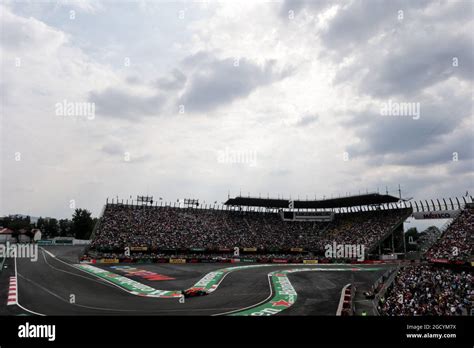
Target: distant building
x=6, y=235
x=23, y=236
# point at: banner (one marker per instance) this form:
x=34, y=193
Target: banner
x=247, y=260
x=45, y=242
x=297, y=249
x=109, y=260
x=63, y=241
x=250, y=249
x=177, y=260
x=280, y=261
x=439, y=260
x=310, y=262
x=138, y=248
x=388, y=257
x=197, y=249
x=439, y=214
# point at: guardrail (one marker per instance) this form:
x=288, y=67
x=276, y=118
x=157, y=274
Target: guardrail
x=1, y=265
x=382, y=284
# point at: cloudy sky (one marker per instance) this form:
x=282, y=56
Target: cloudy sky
x=196, y=99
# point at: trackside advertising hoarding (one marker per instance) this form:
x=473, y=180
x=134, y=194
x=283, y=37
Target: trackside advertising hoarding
x=177, y=260
x=310, y=262
x=439, y=214
x=279, y=260
x=109, y=260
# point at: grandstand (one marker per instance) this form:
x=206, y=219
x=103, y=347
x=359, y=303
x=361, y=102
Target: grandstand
x=456, y=242
x=443, y=286
x=255, y=227
x=278, y=230
x=429, y=290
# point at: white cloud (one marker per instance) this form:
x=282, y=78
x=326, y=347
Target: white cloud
x=300, y=97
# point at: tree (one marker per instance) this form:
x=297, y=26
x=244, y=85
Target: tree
x=16, y=222
x=65, y=227
x=40, y=224
x=15, y=234
x=51, y=228
x=82, y=224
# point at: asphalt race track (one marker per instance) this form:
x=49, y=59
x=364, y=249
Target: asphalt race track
x=53, y=286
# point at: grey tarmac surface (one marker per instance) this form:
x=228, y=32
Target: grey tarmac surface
x=49, y=285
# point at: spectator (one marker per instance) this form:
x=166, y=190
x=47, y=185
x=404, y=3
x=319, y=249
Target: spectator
x=165, y=228
x=425, y=290
x=456, y=242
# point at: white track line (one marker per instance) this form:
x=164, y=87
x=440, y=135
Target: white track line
x=91, y=278
x=237, y=310
x=75, y=304
x=89, y=274
x=271, y=289
x=48, y=252
x=64, y=300
x=18, y=301
x=254, y=305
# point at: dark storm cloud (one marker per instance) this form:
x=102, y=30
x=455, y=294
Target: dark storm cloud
x=398, y=60
x=417, y=64
x=404, y=56
x=314, y=6
x=359, y=20
x=307, y=120
x=113, y=149
x=452, y=148
x=462, y=167
x=455, y=151
x=120, y=104
x=404, y=140
x=133, y=80
x=418, y=52
x=175, y=81
x=215, y=82
x=202, y=83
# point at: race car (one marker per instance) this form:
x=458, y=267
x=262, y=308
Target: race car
x=194, y=292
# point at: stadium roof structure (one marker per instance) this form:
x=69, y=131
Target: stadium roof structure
x=349, y=201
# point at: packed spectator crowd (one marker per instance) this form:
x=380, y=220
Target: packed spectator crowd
x=366, y=228
x=457, y=241
x=203, y=257
x=167, y=228
x=426, y=290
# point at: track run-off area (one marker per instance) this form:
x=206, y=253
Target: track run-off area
x=56, y=284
